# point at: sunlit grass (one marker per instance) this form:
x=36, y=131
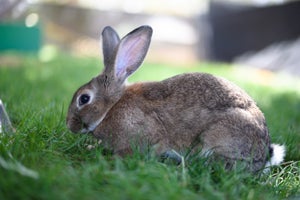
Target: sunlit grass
x=43, y=160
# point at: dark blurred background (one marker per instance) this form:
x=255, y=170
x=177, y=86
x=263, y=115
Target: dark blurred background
x=258, y=33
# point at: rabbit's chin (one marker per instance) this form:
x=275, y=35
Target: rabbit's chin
x=88, y=128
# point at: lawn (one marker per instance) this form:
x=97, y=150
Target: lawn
x=44, y=160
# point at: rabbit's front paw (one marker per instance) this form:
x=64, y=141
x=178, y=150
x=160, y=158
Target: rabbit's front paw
x=171, y=156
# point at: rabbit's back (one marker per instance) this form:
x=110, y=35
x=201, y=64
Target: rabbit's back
x=201, y=89
x=195, y=101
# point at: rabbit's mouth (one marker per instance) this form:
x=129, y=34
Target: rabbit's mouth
x=86, y=128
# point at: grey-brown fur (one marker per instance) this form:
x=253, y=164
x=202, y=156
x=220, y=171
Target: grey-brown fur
x=188, y=111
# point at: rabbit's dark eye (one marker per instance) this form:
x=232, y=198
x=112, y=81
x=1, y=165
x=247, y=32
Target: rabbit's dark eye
x=83, y=99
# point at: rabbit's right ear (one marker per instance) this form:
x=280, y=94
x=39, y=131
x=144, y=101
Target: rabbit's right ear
x=110, y=41
x=131, y=52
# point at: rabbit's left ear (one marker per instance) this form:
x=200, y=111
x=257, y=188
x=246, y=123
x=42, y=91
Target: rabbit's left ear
x=132, y=51
x=110, y=41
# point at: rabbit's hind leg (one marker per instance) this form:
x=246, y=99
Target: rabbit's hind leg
x=235, y=142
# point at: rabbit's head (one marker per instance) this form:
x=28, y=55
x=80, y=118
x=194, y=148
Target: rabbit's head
x=92, y=101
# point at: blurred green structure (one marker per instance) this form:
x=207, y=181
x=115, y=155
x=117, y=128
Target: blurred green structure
x=17, y=36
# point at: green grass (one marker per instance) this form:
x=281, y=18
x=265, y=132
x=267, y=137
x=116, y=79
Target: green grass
x=43, y=160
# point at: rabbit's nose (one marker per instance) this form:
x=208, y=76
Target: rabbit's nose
x=74, y=124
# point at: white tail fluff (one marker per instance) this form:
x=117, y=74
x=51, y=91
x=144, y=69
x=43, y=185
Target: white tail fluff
x=277, y=155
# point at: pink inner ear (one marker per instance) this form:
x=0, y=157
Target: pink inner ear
x=130, y=55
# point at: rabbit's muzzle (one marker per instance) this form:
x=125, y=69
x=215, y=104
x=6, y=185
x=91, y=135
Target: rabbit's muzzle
x=75, y=124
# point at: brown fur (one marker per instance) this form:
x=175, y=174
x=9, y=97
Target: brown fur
x=164, y=114
x=189, y=111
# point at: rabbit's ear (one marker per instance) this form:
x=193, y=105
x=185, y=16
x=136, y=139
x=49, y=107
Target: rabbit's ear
x=132, y=51
x=110, y=41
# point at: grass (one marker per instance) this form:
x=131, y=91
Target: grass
x=43, y=160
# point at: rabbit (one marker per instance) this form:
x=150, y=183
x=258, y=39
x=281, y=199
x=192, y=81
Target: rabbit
x=186, y=112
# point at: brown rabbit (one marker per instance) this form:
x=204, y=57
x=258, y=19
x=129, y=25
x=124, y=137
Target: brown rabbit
x=185, y=112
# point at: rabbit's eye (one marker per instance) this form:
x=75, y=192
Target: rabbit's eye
x=83, y=99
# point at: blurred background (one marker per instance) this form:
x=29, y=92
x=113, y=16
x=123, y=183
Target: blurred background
x=259, y=33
